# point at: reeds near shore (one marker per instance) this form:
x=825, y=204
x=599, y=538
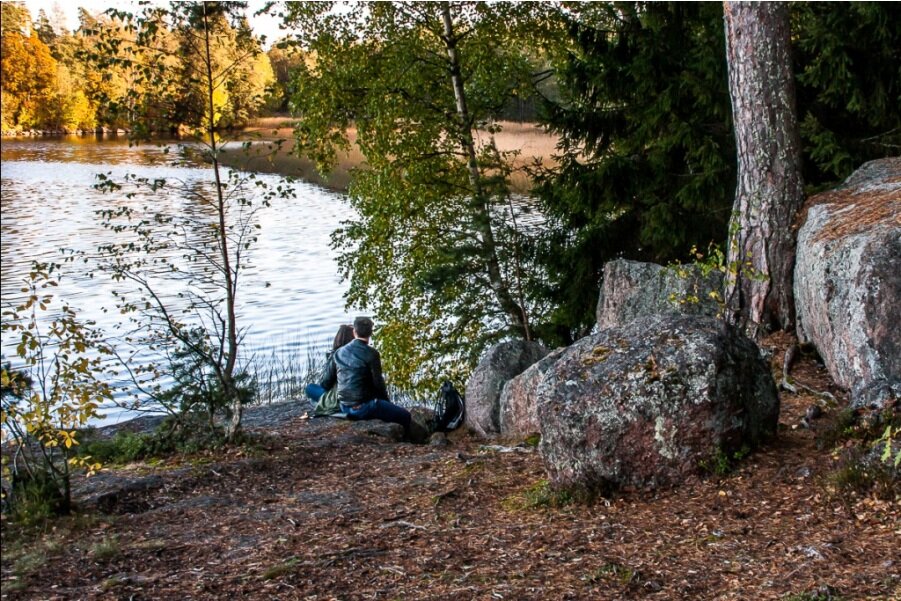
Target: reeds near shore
x=285, y=372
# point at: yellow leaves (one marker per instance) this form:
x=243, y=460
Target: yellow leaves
x=57, y=389
x=29, y=76
x=67, y=438
x=85, y=463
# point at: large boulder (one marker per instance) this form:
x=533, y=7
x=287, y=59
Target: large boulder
x=848, y=282
x=502, y=362
x=634, y=289
x=518, y=405
x=646, y=404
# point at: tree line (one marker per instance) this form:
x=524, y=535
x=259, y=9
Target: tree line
x=51, y=80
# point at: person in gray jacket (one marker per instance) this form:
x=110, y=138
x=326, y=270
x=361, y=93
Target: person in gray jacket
x=357, y=372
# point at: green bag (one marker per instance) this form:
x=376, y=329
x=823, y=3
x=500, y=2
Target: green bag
x=328, y=403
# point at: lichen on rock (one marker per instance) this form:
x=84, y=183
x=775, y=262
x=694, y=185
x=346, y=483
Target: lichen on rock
x=848, y=282
x=685, y=389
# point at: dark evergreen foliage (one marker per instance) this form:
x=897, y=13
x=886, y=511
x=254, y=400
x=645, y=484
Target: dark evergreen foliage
x=648, y=154
x=848, y=72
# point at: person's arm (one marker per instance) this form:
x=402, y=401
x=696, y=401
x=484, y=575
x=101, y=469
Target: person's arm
x=378, y=381
x=329, y=374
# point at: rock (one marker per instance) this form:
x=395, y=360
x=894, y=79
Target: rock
x=419, y=432
x=502, y=362
x=114, y=494
x=648, y=403
x=518, y=416
x=881, y=458
x=632, y=289
x=438, y=439
x=848, y=282
x=376, y=427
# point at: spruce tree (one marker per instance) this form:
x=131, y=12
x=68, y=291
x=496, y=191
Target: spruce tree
x=647, y=168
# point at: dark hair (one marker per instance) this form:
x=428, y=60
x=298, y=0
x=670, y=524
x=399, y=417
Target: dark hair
x=345, y=334
x=363, y=327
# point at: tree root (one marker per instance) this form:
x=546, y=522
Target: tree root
x=792, y=386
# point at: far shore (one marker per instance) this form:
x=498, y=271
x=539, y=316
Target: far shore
x=272, y=143
x=272, y=153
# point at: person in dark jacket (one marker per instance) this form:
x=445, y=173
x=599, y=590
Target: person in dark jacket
x=357, y=371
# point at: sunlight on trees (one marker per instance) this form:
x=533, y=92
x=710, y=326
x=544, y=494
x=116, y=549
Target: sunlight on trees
x=50, y=81
x=189, y=66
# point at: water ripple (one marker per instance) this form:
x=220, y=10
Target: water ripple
x=291, y=296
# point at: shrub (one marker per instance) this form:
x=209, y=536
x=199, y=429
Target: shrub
x=867, y=454
x=179, y=434
x=723, y=463
x=46, y=401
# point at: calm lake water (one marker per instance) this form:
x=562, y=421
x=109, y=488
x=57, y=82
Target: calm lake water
x=49, y=203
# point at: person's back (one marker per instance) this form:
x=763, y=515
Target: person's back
x=325, y=398
x=359, y=374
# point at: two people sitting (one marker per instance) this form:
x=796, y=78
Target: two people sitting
x=353, y=373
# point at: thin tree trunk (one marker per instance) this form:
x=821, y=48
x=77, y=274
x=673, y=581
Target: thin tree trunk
x=234, y=425
x=770, y=192
x=516, y=311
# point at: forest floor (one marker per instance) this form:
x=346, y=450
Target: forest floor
x=322, y=509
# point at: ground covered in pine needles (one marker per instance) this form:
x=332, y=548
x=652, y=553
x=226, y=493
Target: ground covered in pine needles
x=323, y=509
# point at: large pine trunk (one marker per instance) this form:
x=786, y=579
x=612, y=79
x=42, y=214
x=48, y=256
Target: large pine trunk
x=770, y=189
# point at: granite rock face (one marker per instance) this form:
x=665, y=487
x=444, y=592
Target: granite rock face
x=848, y=282
x=518, y=403
x=645, y=404
x=633, y=289
x=502, y=362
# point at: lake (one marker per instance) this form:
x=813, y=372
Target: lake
x=290, y=297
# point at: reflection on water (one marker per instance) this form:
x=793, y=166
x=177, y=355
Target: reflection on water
x=290, y=296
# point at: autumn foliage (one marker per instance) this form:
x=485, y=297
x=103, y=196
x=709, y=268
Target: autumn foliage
x=52, y=78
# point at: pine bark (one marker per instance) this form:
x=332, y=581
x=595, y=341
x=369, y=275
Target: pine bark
x=770, y=188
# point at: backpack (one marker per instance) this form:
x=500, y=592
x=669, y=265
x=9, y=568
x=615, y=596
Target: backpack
x=450, y=409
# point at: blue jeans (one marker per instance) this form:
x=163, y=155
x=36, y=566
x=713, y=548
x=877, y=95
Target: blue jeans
x=379, y=409
x=314, y=392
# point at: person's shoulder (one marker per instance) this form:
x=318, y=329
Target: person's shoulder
x=341, y=352
x=365, y=349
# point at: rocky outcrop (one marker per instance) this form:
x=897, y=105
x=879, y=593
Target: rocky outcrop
x=648, y=403
x=633, y=289
x=518, y=405
x=502, y=362
x=848, y=282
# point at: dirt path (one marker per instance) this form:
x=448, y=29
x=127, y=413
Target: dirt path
x=323, y=509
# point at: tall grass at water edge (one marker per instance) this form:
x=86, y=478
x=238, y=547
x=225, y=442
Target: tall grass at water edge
x=284, y=373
